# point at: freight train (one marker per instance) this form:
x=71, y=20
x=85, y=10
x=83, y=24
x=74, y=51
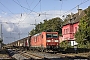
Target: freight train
x=43, y=41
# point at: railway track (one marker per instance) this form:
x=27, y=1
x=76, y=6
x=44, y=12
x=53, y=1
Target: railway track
x=32, y=56
x=25, y=55
x=4, y=55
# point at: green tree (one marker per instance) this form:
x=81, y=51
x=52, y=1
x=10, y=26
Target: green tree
x=83, y=34
x=32, y=32
x=65, y=44
x=53, y=25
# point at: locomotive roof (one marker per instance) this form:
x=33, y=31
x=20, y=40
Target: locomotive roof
x=37, y=34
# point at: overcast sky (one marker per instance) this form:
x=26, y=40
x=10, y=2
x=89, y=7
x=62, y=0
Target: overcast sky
x=17, y=16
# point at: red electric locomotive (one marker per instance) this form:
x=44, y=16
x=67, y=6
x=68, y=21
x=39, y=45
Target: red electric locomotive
x=45, y=40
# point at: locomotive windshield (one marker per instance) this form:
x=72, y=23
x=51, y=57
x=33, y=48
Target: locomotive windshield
x=55, y=35
x=51, y=35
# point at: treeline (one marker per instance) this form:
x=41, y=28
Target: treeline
x=54, y=25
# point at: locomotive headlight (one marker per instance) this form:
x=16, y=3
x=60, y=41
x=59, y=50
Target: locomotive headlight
x=48, y=41
x=56, y=41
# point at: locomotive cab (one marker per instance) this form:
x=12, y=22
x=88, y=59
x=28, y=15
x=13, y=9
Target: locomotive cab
x=52, y=40
x=45, y=41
